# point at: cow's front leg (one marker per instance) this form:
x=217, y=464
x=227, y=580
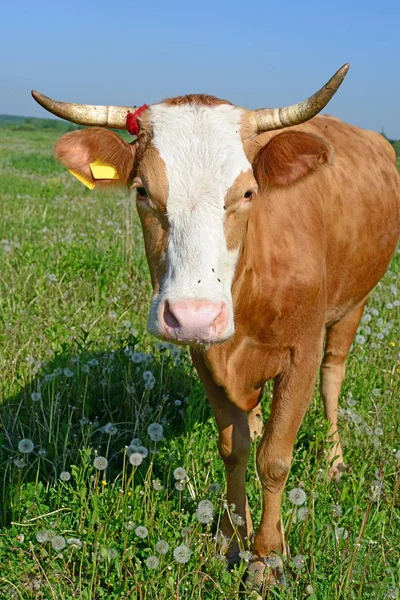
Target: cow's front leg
x=234, y=449
x=292, y=392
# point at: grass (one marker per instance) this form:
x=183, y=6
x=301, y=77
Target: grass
x=81, y=379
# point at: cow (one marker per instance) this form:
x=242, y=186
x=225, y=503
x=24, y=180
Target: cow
x=263, y=247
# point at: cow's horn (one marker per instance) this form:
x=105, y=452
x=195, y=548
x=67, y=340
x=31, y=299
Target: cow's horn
x=86, y=114
x=267, y=119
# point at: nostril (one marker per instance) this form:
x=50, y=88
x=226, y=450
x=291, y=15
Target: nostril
x=169, y=318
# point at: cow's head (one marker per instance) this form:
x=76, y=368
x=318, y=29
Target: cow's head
x=191, y=166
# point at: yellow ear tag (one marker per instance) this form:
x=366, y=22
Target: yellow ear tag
x=82, y=179
x=103, y=171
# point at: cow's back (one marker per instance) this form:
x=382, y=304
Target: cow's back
x=358, y=195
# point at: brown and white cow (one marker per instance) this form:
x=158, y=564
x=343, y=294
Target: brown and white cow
x=263, y=248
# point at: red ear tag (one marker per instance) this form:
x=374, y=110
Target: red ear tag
x=132, y=123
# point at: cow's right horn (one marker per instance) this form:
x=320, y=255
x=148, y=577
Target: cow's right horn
x=267, y=119
x=86, y=114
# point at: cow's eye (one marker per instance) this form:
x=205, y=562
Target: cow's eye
x=248, y=194
x=142, y=192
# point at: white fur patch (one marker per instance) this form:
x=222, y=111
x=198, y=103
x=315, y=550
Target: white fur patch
x=203, y=155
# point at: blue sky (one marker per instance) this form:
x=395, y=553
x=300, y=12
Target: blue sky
x=254, y=54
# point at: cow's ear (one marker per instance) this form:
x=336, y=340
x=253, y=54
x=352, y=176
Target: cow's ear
x=289, y=157
x=97, y=157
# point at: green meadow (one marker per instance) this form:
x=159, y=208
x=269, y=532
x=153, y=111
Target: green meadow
x=107, y=441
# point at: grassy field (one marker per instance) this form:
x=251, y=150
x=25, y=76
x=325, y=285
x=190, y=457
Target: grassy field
x=97, y=504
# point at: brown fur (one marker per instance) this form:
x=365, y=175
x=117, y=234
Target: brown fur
x=201, y=99
x=319, y=236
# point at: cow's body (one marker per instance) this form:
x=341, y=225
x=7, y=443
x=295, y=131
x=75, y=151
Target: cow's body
x=259, y=292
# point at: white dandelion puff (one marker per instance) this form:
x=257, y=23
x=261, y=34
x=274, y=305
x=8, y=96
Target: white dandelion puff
x=155, y=432
x=136, y=459
x=302, y=513
x=341, y=533
x=75, y=542
x=142, y=532
x=205, y=511
x=36, y=396
x=110, y=429
x=26, y=446
x=245, y=555
x=152, y=562
x=162, y=547
x=237, y=519
x=299, y=562
x=297, y=496
x=180, y=473
x=100, y=463
x=157, y=485
x=58, y=542
x=274, y=561
x=65, y=475
x=42, y=536
x=112, y=553
x=182, y=554
x=214, y=488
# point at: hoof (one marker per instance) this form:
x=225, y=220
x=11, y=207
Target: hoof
x=266, y=572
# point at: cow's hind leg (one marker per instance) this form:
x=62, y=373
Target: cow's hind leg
x=339, y=338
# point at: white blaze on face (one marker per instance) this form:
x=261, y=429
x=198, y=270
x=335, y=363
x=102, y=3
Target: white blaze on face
x=203, y=155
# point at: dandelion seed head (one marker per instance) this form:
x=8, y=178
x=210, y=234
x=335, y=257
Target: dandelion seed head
x=75, y=542
x=397, y=454
x=237, y=519
x=180, y=473
x=110, y=429
x=42, y=536
x=152, y=562
x=360, y=339
x=337, y=510
x=19, y=462
x=180, y=485
x=341, y=533
x=26, y=446
x=245, y=555
x=375, y=490
x=155, y=432
x=297, y=496
x=302, y=513
x=136, y=459
x=162, y=547
x=65, y=475
x=36, y=396
x=182, y=554
x=112, y=553
x=142, y=532
x=273, y=561
x=68, y=373
x=378, y=431
x=186, y=531
x=100, y=463
x=58, y=542
x=149, y=380
x=157, y=485
x=214, y=488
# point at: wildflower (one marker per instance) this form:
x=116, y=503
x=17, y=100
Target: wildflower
x=35, y=396
x=68, y=373
x=136, y=459
x=110, y=429
x=157, y=485
x=149, y=379
x=214, y=488
x=42, y=536
x=182, y=554
x=375, y=490
x=302, y=513
x=26, y=446
x=299, y=561
x=112, y=553
x=162, y=547
x=337, y=510
x=75, y=542
x=180, y=485
x=360, y=339
x=341, y=533
x=273, y=561
x=297, y=496
x=245, y=555
x=152, y=562
x=205, y=511
x=180, y=473
x=155, y=432
x=142, y=532
x=237, y=519
x=58, y=542
x=100, y=463
x=65, y=475
x=19, y=462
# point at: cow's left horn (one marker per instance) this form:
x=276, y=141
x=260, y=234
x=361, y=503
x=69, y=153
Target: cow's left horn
x=267, y=119
x=86, y=114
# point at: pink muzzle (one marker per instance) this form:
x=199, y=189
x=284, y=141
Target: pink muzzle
x=193, y=320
